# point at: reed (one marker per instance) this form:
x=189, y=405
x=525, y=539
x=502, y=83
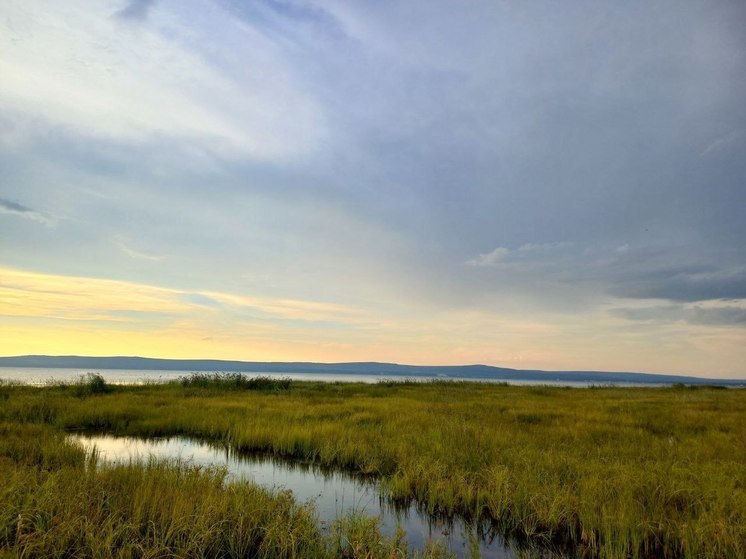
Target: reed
x=232, y=381
x=56, y=501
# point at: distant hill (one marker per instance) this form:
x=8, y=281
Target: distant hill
x=367, y=368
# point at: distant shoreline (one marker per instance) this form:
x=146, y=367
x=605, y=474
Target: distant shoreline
x=466, y=372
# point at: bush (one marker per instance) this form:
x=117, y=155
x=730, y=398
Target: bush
x=91, y=384
x=234, y=381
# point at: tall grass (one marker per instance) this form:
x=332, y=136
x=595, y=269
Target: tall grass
x=56, y=501
x=619, y=472
x=157, y=509
x=233, y=381
x=91, y=384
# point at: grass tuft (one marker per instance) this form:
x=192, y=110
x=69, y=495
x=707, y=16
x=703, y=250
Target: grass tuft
x=91, y=384
x=234, y=381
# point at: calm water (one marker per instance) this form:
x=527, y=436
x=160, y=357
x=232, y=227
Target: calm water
x=39, y=376
x=334, y=493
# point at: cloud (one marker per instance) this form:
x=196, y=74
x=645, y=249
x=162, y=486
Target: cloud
x=77, y=71
x=200, y=299
x=136, y=10
x=30, y=294
x=723, y=144
x=299, y=11
x=526, y=256
x=492, y=258
x=14, y=208
x=689, y=314
x=331, y=151
x=136, y=254
x=634, y=272
x=682, y=283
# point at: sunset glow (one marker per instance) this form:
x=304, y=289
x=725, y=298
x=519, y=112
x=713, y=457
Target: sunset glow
x=529, y=186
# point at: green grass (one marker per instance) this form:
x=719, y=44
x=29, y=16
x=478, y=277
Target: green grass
x=158, y=509
x=233, y=381
x=56, y=501
x=648, y=472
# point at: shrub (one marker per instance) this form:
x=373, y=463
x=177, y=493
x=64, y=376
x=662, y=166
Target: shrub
x=234, y=381
x=91, y=384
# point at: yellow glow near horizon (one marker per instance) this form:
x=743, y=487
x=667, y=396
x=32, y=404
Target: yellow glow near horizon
x=53, y=314
x=63, y=315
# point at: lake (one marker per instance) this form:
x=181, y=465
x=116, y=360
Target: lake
x=41, y=376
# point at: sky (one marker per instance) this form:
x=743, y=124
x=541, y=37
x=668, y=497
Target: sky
x=540, y=185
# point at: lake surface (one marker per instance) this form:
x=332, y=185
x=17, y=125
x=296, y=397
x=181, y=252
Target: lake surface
x=334, y=493
x=41, y=376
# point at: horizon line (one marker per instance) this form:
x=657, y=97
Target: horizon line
x=337, y=363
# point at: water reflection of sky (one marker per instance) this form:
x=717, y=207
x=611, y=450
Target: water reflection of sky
x=40, y=376
x=334, y=493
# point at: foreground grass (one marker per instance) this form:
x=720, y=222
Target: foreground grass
x=618, y=471
x=57, y=502
x=54, y=507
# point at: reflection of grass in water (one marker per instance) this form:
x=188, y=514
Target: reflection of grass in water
x=357, y=536
x=58, y=501
x=649, y=471
x=52, y=505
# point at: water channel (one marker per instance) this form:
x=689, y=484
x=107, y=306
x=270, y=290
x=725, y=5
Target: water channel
x=334, y=493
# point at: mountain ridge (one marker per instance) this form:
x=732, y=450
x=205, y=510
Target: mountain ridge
x=473, y=371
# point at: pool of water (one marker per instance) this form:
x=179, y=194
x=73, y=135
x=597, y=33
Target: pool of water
x=41, y=376
x=334, y=493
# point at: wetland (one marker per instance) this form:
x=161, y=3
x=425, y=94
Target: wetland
x=273, y=468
